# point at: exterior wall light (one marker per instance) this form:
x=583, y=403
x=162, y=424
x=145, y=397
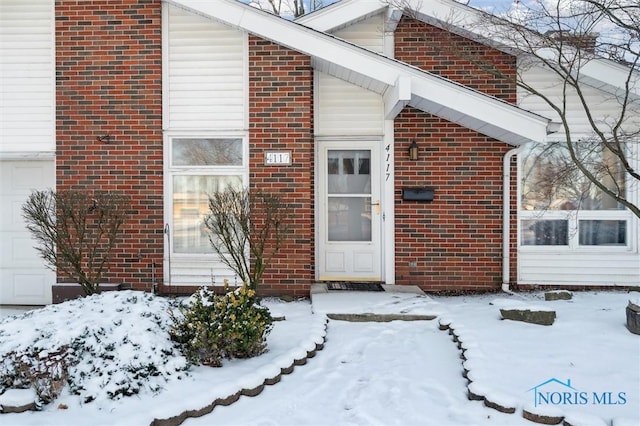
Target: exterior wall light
x=413, y=151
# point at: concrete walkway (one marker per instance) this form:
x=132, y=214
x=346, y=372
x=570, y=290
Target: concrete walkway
x=407, y=303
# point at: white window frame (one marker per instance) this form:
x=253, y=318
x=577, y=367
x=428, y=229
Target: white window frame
x=170, y=171
x=573, y=217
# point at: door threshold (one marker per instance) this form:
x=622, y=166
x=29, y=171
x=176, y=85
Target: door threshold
x=354, y=286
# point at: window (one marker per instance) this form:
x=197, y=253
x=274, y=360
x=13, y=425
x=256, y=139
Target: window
x=560, y=207
x=206, y=152
x=349, y=195
x=603, y=232
x=199, y=167
x=545, y=232
x=551, y=181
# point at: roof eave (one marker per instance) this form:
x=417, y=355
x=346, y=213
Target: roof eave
x=461, y=19
x=460, y=104
x=340, y=13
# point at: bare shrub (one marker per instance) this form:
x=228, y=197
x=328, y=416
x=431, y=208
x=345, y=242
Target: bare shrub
x=45, y=372
x=240, y=220
x=76, y=231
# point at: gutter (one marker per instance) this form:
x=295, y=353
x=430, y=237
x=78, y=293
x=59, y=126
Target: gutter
x=506, y=212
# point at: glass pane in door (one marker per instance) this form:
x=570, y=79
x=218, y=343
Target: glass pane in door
x=349, y=218
x=349, y=195
x=190, y=207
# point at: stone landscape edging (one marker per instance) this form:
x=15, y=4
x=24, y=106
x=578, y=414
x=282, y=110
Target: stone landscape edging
x=502, y=403
x=280, y=366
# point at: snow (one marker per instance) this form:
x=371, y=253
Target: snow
x=577, y=419
x=522, y=305
x=391, y=373
x=17, y=397
x=374, y=302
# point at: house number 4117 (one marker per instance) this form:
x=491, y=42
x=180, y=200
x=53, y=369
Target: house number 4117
x=276, y=158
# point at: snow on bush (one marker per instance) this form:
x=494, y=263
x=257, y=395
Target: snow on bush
x=111, y=345
x=210, y=328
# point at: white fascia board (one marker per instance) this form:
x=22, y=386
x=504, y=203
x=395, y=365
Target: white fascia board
x=602, y=74
x=396, y=97
x=393, y=19
x=340, y=14
x=610, y=76
x=484, y=114
x=445, y=11
x=509, y=118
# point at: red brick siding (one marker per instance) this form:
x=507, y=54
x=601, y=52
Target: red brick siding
x=456, y=240
x=456, y=58
x=108, y=81
x=281, y=119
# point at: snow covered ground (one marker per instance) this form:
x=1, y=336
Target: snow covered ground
x=585, y=366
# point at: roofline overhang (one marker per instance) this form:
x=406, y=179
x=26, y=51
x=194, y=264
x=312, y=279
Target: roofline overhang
x=340, y=13
x=429, y=92
x=597, y=72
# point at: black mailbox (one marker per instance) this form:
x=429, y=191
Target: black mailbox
x=417, y=194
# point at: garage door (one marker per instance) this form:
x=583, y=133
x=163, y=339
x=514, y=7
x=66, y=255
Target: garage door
x=24, y=280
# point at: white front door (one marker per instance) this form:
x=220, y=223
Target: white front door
x=349, y=219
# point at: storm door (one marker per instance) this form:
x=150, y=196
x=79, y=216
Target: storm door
x=349, y=212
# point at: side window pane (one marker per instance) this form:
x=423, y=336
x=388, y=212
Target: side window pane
x=206, y=152
x=191, y=205
x=603, y=232
x=545, y=233
x=551, y=181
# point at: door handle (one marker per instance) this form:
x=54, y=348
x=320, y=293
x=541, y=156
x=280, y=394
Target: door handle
x=377, y=204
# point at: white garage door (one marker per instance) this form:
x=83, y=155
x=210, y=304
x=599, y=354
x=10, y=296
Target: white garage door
x=24, y=280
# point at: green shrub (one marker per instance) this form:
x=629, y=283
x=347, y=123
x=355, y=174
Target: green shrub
x=211, y=328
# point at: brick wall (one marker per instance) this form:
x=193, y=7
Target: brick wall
x=456, y=58
x=281, y=119
x=456, y=240
x=108, y=81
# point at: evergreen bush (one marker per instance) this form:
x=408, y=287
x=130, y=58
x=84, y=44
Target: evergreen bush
x=211, y=328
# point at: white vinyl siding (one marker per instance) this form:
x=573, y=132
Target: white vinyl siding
x=27, y=142
x=206, y=74
x=558, y=268
x=601, y=104
x=368, y=33
x=206, y=92
x=345, y=109
x=27, y=91
x=198, y=272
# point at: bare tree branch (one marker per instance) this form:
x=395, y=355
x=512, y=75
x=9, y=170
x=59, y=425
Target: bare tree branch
x=562, y=39
x=240, y=220
x=76, y=231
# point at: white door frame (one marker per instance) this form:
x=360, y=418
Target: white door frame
x=346, y=266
